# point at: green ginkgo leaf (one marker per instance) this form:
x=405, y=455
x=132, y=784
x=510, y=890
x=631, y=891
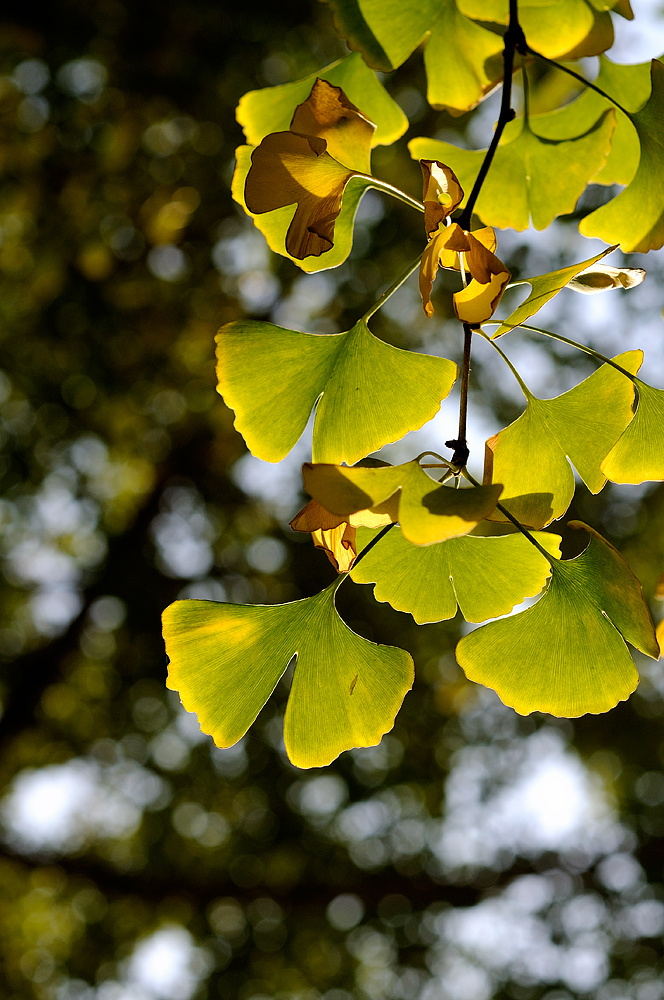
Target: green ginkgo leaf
x=428, y=511
x=638, y=455
x=630, y=86
x=226, y=659
x=485, y=576
x=271, y=109
x=531, y=457
x=555, y=28
x=368, y=393
x=462, y=59
x=566, y=655
x=530, y=177
x=543, y=287
x=635, y=219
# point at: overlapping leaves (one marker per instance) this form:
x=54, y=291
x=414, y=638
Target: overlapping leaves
x=427, y=511
x=531, y=457
x=567, y=654
x=366, y=393
x=635, y=219
x=530, y=177
x=226, y=660
x=302, y=185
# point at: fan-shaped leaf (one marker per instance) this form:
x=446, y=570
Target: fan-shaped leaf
x=566, y=655
x=530, y=176
x=638, y=455
x=635, y=219
x=271, y=109
x=226, y=659
x=461, y=58
x=368, y=392
x=428, y=512
x=486, y=576
x=531, y=457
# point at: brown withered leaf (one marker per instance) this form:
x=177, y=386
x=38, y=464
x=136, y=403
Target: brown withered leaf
x=335, y=534
x=478, y=301
x=442, y=193
x=329, y=142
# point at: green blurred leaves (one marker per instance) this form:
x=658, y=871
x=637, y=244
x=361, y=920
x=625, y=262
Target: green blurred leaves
x=366, y=393
x=566, y=655
x=226, y=659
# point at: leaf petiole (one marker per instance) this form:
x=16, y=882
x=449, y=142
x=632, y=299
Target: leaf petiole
x=391, y=290
x=581, y=79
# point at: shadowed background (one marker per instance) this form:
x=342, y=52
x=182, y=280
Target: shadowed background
x=473, y=854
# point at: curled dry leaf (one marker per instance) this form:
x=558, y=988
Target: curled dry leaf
x=335, y=534
x=602, y=277
x=329, y=142
x=442, y=193
x=478, y=301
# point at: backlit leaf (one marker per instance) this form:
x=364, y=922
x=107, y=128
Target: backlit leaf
x=530, y=177
x=226, y=659
x=630, y=86
x=486, y=576
x=638, y=455
x=635, y=219
x=566, y=655
x=271, y=109
x=553, y=27
x=368, y=393
x=531, y=457
x=336, y=534
x=428, y=511
x=543, y=287
x=603, y=277
x=274, y=225
x=462, y=59
x=309, y=166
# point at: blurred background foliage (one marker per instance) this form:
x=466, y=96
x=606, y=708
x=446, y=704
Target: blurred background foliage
x=473, y=854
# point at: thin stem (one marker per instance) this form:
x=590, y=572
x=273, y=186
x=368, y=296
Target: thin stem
x=391, y=290
x=514, y=40
x=581, y=79
x=396, y=193
x=526, y=94
x=460, y=444
x=517, y=524
x=374, y=541
x=571, y=343
x=524, y=388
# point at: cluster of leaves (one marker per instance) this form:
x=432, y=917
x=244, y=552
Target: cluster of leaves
x=301, y=177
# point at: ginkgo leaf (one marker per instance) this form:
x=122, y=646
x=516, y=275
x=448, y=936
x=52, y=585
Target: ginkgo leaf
x=462, y=59
x=271, y=109
x=556, y=28
x=530, y=177
x=441, y=193
x=368, y=393
x=226, y=659
x=543, y=287
x=486, y=576
x=635, y=219
x=630, y=86
x=531, y=457
x=567, y=654
x=428, y=511
x=309, y=166
x=638, y=455
x=275, y=224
